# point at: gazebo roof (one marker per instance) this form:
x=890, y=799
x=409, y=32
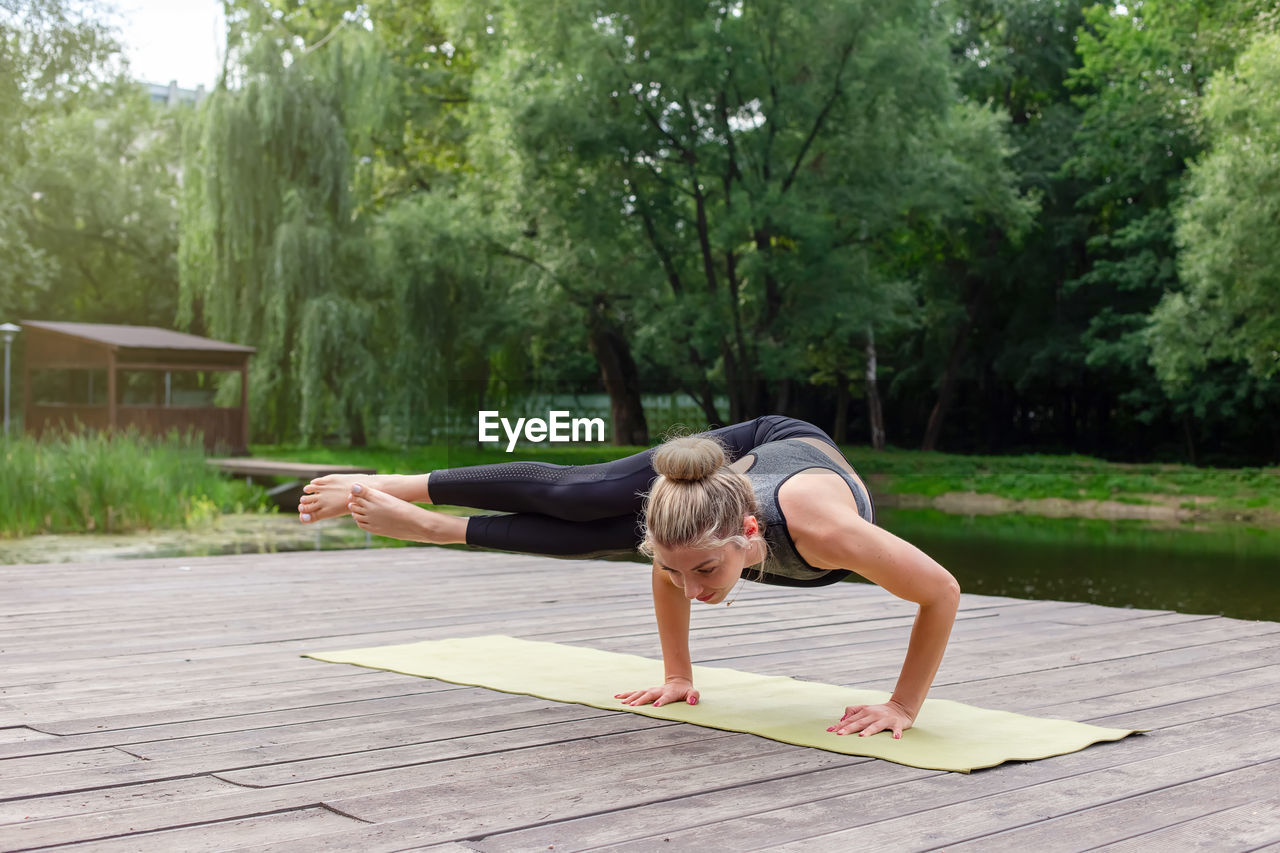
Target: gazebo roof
x=137, y=337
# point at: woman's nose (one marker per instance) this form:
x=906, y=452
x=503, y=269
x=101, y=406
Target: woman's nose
x=691, y=589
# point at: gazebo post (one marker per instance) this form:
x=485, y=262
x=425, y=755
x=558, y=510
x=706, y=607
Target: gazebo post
x=111, y=389
x=244, y=404
x=26, y=394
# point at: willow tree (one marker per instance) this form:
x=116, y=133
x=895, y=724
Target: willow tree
x=329, y=221
x=273, y=253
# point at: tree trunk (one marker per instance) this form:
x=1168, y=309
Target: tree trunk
x=782, y=403
x=840, y=431
x=706, y=401
x=947, y=391
x=619, y=374
x=875, y=411
x=1191, y=445
x=950, y=377
x=355, y=427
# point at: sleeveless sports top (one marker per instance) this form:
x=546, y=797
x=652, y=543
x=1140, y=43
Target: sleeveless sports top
x=775, y=463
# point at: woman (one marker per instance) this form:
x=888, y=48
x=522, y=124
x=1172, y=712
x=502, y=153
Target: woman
x=771, y=500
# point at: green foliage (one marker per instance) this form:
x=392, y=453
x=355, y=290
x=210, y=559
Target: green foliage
x=362, y=278
x=1037, y=476
x=1141, y=87
x=1229, y=230
x=271, y=252
x=92, y=482
x=729, y=179
x=88, y=172
x=404, y=206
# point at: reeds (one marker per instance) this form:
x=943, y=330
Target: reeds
x=81, y=482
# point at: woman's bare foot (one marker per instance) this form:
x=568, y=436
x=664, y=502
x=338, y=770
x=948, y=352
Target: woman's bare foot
x=326, y=497
x=385, y=515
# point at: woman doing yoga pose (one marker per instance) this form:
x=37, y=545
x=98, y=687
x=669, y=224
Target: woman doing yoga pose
x=770, y=500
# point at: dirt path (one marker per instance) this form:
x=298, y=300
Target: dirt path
x=230, y=534
x=1164, y=509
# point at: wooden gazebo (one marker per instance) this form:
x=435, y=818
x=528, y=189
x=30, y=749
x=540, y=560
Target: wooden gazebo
x=113, y=349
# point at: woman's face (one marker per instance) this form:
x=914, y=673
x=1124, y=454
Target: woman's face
x=707, y=574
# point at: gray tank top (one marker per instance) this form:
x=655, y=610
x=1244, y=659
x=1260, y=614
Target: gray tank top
x=775, y=463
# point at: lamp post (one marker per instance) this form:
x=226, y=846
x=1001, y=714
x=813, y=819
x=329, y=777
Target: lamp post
x=9, y=330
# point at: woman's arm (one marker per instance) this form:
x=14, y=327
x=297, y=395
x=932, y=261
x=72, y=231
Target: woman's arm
x=671, y=608
x=831, y=534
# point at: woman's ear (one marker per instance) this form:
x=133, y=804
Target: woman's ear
x=750, y=526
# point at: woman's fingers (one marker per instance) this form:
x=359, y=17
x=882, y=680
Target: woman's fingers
x=658, y=696
x=868, y=720
x=640, y=697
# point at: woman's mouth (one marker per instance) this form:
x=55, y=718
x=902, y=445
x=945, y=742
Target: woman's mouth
x=706, y=596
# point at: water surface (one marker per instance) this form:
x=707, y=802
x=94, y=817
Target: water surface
x=1228, y=570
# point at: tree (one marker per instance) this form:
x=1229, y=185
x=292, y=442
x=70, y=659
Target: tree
x=1228, y=228
x=1140, y=87
x=88, y=174
x=999, y=347
x=702, y=178
x=272, y=253
x=328, y=221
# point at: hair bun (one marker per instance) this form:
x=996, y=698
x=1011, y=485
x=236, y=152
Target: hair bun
x=688, y=458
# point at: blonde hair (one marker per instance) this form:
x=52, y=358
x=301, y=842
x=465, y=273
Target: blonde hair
x=697, y=501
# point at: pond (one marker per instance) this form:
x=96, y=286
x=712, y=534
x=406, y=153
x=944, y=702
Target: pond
x=1222, y=570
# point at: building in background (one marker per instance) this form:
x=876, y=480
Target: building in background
x=172, y=95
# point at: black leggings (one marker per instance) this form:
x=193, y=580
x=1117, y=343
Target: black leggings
x=580, y=510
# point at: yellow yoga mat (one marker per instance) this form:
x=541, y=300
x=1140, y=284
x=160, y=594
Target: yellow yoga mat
x=946, y=736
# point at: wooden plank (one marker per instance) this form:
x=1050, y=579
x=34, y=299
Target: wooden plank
x=967, y=820
x=106, y=799
x=927, y=807
x=1102, y=678
x=482, y=772
x=1244, y=827
x=291, y=826
x=205, y=708
x=428, y=750
x=360, y=706
x=16, y=770
x=504, y=713
x=21, y=736
x=191, y=664
x=252, y=753
x=1144, y=818
x=1203, y=698
x=244, y=466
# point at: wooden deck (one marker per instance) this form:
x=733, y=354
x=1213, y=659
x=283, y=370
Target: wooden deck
x=162, y=705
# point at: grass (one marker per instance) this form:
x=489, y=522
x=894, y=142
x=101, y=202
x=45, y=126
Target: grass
x=1035, y=477
x=80, y=482
x=895, y=471
x=84, y=482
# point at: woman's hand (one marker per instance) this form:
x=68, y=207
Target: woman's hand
x=675, y=690
x=866, y=720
